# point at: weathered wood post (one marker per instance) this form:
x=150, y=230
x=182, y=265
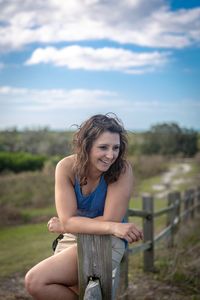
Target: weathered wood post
x=198, y=198
x=178, y=207
x=95, y=265
x=123, y=283
x=192, y=198
x=171, y=217
x=148, y=231
x=186, y=204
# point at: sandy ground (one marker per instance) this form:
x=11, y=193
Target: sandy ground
x=171, y=179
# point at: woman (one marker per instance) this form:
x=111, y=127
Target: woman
x=92, y=191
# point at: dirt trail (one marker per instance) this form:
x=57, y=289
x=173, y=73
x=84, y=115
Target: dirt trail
x=171, y=179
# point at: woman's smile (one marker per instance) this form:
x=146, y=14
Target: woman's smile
x=105, y=163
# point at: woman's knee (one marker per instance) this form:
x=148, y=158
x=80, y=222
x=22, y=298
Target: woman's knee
x=33, y=284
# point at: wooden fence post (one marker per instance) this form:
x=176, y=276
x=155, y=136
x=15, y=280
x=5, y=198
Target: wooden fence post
x=186, y=204
x=192, y=198
x=95, y=262
x=198, y=198
x=178, y=207
x=172, y=216
x=148, y=231
x=123, y=283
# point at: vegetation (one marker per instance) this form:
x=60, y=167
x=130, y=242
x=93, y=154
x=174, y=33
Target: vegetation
x=32, y=188
x=177, y=274
x=41, y=141
x=20, y=161
x=27, y=189
x=170, y=139
x=21, y=193
x=25, y=249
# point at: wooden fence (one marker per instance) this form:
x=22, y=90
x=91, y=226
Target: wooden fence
x=97, y=281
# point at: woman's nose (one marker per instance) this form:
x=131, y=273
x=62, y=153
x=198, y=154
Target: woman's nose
x=110, y=154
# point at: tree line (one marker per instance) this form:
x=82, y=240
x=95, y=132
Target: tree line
x=170, y=139
x=29, y=149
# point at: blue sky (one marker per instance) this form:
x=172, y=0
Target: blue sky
x=63, y=61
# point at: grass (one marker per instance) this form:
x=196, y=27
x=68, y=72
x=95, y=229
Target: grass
x=29, y=214
x=177, y=273
x=183, y=264
x=159, y=222
x=29, y=189
x=23, y=246
x=147, y=184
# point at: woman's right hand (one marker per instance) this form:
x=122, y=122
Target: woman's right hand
x=127, y=231
x=54, y=225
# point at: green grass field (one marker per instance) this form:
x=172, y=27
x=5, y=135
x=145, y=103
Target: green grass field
x=23, y=246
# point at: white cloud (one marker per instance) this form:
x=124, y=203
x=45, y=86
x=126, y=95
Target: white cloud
x=59, y=108
x=33, y=99
x=87, y=58
x=48, y=99
x=144, y=23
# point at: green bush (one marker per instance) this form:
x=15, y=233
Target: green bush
x=18, y=162
x=170, y=139
x=41, y=141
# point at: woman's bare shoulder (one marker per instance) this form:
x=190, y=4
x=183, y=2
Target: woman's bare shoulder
x=67, y=161
x=66, y=167
x=126, y=176
x=128, y=170
x=129, y=167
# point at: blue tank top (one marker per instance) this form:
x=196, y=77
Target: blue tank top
x=92, y=205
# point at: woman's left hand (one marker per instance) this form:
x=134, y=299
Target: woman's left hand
x=54, y=225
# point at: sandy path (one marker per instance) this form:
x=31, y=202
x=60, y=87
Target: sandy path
x=171, y=179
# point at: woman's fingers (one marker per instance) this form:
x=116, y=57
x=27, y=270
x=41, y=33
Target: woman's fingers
x=133, y=237
x=132, y=233
x=53, y=223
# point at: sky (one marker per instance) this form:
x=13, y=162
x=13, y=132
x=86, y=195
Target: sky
x=63, y=61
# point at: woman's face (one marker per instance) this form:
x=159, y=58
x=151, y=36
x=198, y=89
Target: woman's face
x=104, y=151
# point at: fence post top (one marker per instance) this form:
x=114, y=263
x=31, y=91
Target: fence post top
x=147, y=195
x=175, y=192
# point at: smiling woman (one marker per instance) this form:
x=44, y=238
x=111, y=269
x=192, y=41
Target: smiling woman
x=93, y=188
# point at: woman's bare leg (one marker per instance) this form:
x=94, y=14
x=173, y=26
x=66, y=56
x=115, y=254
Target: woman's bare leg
x=53, y=277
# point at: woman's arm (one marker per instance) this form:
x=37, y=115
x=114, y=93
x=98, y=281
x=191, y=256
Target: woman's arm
x=109, y=224
x=66, y=204
x=118, y=196
x=116, y=205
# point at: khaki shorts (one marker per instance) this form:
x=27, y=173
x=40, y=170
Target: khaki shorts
x=118, y=247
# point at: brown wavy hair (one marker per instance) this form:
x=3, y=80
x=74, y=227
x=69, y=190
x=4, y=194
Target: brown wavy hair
x=83, y=140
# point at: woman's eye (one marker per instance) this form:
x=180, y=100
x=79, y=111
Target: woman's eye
x=106, y=148
x=103, y=147
x=116, y=148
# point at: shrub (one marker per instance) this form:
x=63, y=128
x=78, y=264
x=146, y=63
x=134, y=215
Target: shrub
x=18, y=162
x=170, y=139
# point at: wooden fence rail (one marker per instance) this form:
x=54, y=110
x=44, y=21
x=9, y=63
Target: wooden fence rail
x=97, y=281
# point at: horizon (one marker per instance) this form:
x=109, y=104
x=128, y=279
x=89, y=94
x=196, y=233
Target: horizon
x=48, y=128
